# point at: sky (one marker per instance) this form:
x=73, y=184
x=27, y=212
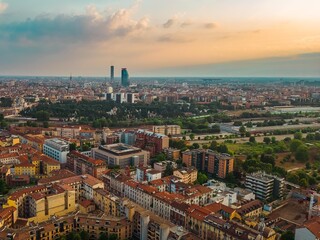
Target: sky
x=160, y=37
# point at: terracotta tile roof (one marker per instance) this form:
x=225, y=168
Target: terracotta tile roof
x=198, y=212
x=86, y=203
x=86, y=158
x=313, y=226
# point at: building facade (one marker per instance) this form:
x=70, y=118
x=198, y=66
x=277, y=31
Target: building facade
x=57, y=149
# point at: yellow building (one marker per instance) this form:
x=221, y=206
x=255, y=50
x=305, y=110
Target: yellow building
x=105, y=202
x=25, y=169
x=39, y=203
x=49, y=164
x=187, y=175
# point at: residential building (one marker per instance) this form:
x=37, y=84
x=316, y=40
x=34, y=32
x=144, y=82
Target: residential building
x=161, y=166
x=172, y=153
x=187, y=175
x=40, y=203
x=147, y=174
x=153, y=142
x=167, y=129
x=264, y=186
x=206, y=160
x=81, y=164
x=57, y=149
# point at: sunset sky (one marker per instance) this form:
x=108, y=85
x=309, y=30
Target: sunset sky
x=160, y=37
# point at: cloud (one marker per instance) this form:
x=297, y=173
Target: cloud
x=3, y=7
x=175, y=38
x=169, y=23
x=211, y=25
x=92, y=26
x=185, y=24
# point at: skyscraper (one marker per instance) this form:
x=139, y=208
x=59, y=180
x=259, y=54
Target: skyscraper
x=124, y=77
x=111, y=73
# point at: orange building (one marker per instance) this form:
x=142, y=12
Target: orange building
x=213, y=163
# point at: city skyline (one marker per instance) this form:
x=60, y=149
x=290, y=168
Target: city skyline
x=203, y=38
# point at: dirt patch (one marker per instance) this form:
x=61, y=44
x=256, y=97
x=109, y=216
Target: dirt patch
x=293, y=211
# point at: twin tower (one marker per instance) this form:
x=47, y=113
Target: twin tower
x=124, y=76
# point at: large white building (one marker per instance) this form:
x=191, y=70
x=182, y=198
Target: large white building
x=57, y=149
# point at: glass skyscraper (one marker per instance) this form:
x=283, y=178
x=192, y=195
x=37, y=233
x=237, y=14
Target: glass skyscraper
x=124, y=78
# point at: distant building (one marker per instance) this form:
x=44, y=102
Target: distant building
x=120, y=154
x=167, y=129
x=213, y=163
x=124, y=78
x=161, y=166
x=172, y=153
x=111, y=73
x=265, y=186
x=152, y=142
x=57, y=149
x=119, y=97
x=128, y=137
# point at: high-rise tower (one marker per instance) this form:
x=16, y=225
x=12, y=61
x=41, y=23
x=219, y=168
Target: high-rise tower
x=124, y=77
x=111, y=73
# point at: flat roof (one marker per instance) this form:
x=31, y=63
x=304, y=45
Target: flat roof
x=119, y=149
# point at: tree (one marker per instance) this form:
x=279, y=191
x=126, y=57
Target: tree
x=267, y=158
x=302, y=154
x=191, y=136
x=42, y=116
x=308, y=165
x=72, y=146
x=267, y=140
x=195, y=145
x=222, y=148
x=169, y=170
x=242, y=130
x=3, y=187
x=45, y=124
x=230, y=178
x=202, y=178
x=77, y=237
x=294, y=145
x=237, y=123
x=103, y=236
x=214, y=145
x=288, y=235
x=113, y=237
x=273, y=140
x=252, y=139
x=215, y=128
x=297, y=135
x=84, y=235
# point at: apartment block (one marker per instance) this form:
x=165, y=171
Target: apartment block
x=265, y=186
x=213, y=163
x=81, y=164
x=152, y=142
x=167, y=129
x=187, y=175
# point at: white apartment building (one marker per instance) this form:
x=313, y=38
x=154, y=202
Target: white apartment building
x=57, y=149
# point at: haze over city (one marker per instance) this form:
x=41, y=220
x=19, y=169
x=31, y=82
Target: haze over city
x=160, y=37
